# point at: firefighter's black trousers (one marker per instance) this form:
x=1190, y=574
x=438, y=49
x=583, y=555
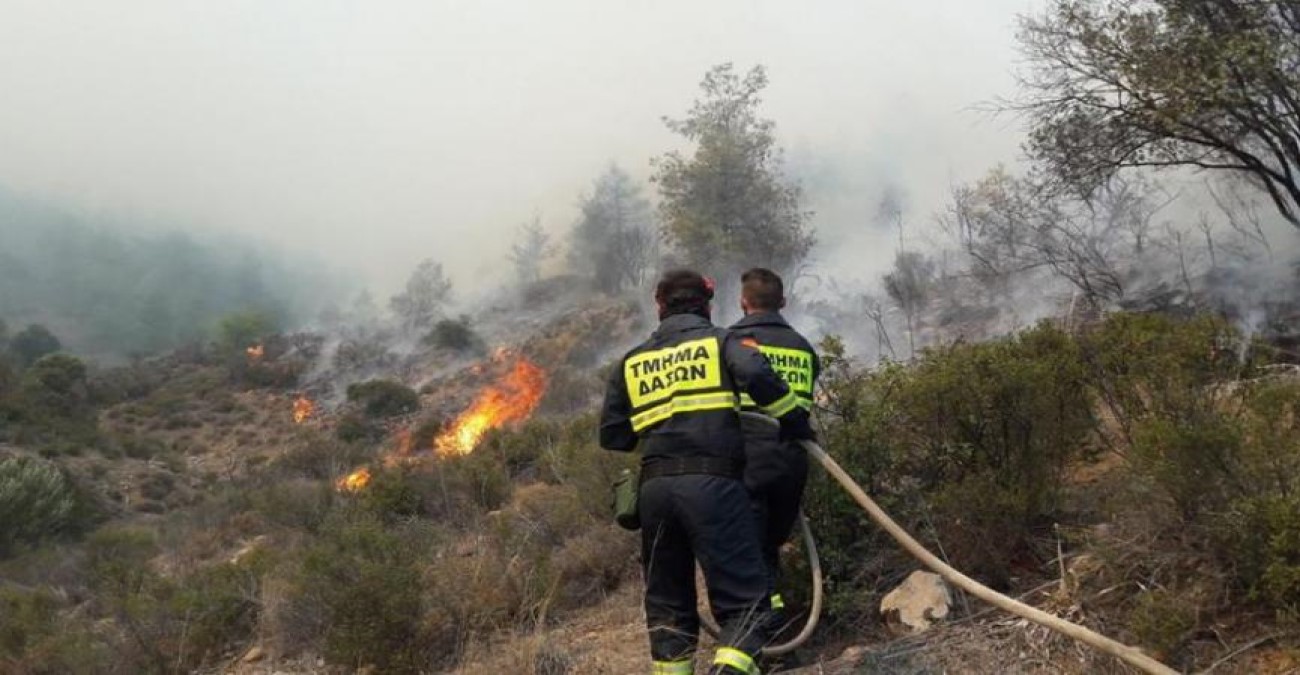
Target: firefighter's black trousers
x=776, y=472
x=706, y=518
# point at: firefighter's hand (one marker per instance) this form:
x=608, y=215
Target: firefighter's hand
x=796, y=426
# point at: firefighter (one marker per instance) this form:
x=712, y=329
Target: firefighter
x=776, y=470
x=677, y=396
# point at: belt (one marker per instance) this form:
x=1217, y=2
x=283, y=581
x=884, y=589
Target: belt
x=683, y=466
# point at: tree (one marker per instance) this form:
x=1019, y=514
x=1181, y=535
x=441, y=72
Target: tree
x=613, y=240
x=31, y=343
x=426, y=293
x=1206, y=84
x=1010, y=225
x=240, y=330
x=909, y=285
x=531, y=248
x=728, y=206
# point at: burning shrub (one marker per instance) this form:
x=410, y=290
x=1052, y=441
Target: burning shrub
x=384, y=398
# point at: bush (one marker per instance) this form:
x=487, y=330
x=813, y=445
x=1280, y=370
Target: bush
x=37, y=501
x=384, y=398
x=456, y=335
x=171, y=623
x=31, y=343
x=356, y=428
x=239, y=330
x=356, y=585
x=36, y=639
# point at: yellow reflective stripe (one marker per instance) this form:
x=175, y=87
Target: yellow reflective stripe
x=729, y=656
x=723, y=400
x=747, y=402
x=782, y=405
x=672, y=668
x=777, y=601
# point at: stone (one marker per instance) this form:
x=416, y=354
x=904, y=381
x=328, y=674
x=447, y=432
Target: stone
x=916, y=604
x=254, y=655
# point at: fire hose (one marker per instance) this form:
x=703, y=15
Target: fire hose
x=1131, y=655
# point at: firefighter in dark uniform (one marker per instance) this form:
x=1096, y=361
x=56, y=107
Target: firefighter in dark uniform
x=776, y=470
x=677, y=396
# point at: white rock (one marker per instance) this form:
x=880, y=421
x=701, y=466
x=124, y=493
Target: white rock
x=917, y=603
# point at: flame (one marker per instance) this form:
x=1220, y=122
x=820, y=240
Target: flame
x=255, y=352
x=302, y=409
x=511, y=399
x=355, y=481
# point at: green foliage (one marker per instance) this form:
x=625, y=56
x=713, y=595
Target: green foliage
x=968, y=444
x=1150, y=365
x=422, y=300
x=614, y=241
x=361, y=577
x=128, y=294
x=1169, y=83
x=32, y=343
x=37, y=501
x=1162, y=620
x=37, y=639
x=1191, y=459
x=56, y=386
x=171, y=622
x=455, y=335
x=728, y=207
x=384, y=398
x=354, y=427
x=240, y=330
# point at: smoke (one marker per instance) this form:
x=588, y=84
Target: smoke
x=377, y=136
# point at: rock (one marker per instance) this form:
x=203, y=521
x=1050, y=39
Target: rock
x=916, y=604
x=254, y=655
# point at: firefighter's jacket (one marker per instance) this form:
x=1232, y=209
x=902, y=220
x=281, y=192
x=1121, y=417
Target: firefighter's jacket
x=790, y=355
x=678, y=393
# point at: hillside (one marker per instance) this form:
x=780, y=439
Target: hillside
x=1134, y=475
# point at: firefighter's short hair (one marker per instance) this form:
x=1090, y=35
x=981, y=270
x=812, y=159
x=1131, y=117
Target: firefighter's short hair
x=762, y=289
x=683, y=289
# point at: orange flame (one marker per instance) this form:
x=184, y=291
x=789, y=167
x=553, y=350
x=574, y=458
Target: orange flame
x=255, y=352
x=511, y=399
x=355, y=481
x=302, y=409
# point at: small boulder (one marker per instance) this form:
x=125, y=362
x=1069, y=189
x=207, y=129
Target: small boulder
x=916, y=604
x=254, y=655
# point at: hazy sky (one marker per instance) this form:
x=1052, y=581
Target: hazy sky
x=379, y=133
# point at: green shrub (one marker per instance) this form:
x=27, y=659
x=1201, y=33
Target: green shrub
x=384, y=398
x=1194, y=459
x=239, y=330
x=1162, y=621
x=355, y=428
x=361, y=579
x=32, y=343
x=456, y=335
x=390, y=495
x=37, y=501
x=36, y=638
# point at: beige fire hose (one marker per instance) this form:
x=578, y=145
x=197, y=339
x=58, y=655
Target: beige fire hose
x=814, y=609
x=1130, y=655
